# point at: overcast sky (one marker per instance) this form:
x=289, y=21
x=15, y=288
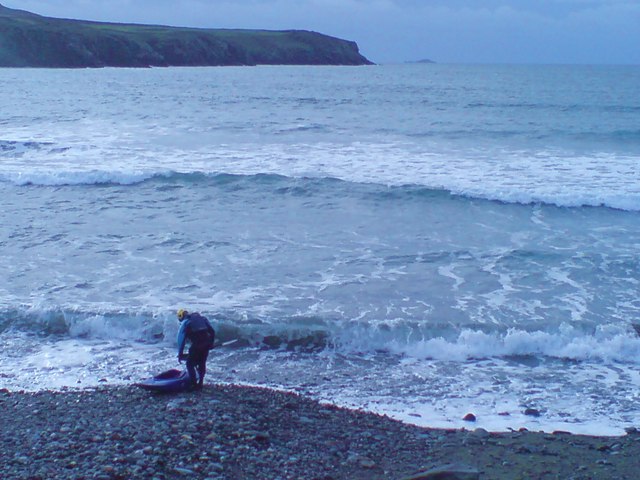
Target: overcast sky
x=447, y=31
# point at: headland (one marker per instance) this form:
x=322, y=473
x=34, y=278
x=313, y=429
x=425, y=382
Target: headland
x=30, y=40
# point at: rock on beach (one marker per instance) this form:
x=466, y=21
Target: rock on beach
x=237, y=432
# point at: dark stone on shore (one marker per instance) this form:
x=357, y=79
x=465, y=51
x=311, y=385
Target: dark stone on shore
x=532, y=412
x=272, y=341
x=480, y=433
x=317, y=341
x=469, y=417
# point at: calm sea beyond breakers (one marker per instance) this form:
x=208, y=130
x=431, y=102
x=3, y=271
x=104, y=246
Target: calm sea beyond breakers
x=420, y=241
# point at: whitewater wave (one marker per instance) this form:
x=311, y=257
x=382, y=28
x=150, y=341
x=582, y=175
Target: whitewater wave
x=545, y=195
x=609, y=343
x=75, y=178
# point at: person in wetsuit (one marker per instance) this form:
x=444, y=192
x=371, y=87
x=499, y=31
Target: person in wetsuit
x=197, y=329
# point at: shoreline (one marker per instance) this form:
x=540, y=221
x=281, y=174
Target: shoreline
x=241, y=432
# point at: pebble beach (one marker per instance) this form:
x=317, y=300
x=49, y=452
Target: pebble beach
x=239, y=432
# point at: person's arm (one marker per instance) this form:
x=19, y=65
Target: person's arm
x=182, y=339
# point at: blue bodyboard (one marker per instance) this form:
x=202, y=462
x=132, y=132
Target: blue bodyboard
x=171, y=381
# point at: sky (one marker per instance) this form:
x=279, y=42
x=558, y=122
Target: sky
x=392, y=31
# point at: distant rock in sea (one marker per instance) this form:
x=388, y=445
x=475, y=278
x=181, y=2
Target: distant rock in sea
x=425, y=60
x=30, y=40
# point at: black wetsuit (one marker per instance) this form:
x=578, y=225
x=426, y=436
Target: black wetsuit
x=201, y=334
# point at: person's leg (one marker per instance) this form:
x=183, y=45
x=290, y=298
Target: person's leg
x=192, y=363
x=202, y=366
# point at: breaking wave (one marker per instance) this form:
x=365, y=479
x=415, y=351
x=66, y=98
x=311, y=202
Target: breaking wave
x=578, y=197
x=609, y=343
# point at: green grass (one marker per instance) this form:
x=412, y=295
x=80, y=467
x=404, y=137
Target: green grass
x=31, y=40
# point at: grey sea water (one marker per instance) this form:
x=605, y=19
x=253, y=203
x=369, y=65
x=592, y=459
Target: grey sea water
x=418, y=240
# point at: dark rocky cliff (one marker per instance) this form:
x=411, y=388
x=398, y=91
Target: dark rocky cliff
x=29, y=40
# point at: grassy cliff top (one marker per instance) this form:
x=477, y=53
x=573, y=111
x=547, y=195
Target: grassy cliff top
x=30, y=40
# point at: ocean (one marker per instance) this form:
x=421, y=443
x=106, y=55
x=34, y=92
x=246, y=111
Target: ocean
x=421, y=241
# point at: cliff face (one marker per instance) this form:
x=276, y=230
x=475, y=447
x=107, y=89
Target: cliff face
x=29, y=40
